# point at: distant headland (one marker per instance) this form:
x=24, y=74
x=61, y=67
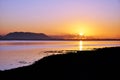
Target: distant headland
x=25, y=36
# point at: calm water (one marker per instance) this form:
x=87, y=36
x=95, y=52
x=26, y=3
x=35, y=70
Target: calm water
x=21, y=53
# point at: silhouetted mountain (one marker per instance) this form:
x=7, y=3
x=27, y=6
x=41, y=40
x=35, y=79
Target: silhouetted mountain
x=26, y=36
x=0, y=37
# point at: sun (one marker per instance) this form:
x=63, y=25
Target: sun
x=81, y=34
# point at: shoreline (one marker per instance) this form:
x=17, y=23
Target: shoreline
x=61, y=40
x=102, y=63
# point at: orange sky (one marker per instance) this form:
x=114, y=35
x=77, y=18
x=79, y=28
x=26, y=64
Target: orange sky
x=97, y=18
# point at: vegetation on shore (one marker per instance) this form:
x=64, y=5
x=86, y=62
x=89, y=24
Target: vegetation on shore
x=99, y=64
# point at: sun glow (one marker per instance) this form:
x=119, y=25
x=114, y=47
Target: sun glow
x=81, y=34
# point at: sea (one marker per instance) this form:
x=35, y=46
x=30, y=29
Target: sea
x=14, y=54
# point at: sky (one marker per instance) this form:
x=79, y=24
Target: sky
x=97, y=18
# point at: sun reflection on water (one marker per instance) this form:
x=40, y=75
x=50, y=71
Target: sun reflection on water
x=80, y=46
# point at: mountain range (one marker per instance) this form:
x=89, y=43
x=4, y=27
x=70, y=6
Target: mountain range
x=25, y=36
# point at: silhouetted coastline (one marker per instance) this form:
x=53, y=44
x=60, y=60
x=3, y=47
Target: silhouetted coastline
x=98, y=64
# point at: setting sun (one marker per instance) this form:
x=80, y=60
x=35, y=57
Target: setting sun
x=81, y=34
